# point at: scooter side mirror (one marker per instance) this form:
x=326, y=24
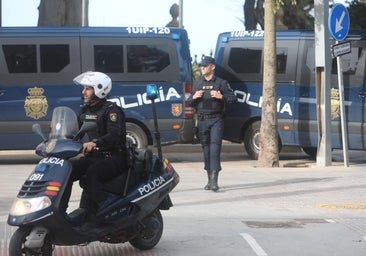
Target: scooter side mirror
x=36, y=128
x=151, y=91
x=85, y=127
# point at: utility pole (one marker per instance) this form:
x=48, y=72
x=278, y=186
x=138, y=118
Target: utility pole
x=323, y=66
x=83, y=13
x=181, y=13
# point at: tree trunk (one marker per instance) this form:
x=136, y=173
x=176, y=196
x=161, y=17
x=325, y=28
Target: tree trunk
x=268, y=141
x=63, y=13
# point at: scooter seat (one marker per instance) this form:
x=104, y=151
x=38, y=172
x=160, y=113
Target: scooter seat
x=139, y=169
x=141, y=165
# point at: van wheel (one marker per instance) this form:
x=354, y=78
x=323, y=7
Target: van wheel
x=251, y=140
x=135, y=135
x=310, y=151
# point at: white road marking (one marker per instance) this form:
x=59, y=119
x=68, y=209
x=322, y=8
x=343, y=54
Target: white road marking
x=330, y=220
x=253, y=243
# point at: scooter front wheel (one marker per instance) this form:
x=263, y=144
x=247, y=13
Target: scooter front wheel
x=152, y=232
x=17, y=248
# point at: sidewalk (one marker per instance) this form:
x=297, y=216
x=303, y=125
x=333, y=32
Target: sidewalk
x=239, y=173
x=300, y=193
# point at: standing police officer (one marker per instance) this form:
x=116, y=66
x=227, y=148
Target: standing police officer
x=109, y=138
x=209, y=96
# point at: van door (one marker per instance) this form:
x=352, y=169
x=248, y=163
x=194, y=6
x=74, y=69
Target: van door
x=305, y=110
x=353, y=66
x=287, y=55
x=242, y=66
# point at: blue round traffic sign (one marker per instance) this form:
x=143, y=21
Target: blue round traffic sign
x=339, y=22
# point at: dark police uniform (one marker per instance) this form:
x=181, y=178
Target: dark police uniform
x=210, y=113
x=110, y=159
x=110, y=121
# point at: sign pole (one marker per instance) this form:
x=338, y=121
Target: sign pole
x=339, y=23
x=343, y=111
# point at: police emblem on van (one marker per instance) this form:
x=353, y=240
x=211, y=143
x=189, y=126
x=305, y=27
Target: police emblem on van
x=36, y=104
x=177, y=109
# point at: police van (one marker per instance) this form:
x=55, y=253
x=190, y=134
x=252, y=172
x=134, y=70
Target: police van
x=37, y=66
x=239, y=59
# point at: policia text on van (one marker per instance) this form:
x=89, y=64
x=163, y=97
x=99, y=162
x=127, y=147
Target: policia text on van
x=239, y=57
x=37, y=66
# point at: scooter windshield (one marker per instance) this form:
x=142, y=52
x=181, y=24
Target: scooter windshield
x=64, y=124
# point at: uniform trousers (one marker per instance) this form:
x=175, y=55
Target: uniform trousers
x=96, y=170
x=210, y=134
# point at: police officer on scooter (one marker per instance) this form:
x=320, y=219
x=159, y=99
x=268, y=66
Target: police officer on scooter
x=209, y=96
x=105, y=152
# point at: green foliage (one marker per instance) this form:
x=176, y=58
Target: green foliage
x=196, y=71
x=280, y=3
x=298, y=16
x=357, y=10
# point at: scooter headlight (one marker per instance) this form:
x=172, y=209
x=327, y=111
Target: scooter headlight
x=22, y=206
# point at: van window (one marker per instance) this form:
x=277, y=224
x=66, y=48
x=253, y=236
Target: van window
x=128, y=59
x=54, y=57
x=23, y=58
x=352, y=64
x=146, y=58
x=108, y=58
x=245, y=60
x=281, y=60
x=20, y=58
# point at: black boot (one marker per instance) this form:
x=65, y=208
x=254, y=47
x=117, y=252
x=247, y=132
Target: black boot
x=83, y=200
x=91, y=220
x=214, y=177
x=209, y=183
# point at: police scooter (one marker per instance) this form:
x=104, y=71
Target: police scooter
x=129, y=212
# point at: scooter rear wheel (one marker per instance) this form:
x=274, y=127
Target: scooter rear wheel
x=17, y=248
x=151, y=234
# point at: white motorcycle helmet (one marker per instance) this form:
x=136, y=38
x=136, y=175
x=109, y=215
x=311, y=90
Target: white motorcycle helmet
x=101, y=83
